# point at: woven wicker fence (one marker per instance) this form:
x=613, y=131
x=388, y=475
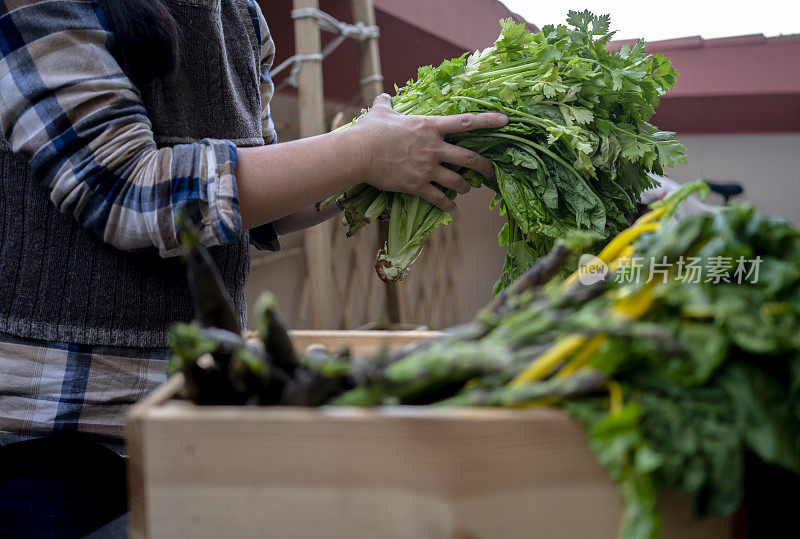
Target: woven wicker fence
x=427, y=295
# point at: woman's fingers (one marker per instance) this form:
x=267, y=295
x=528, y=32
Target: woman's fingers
x=452, y=180
x=396, y=148
x=436, y=197
x=462, y=157
x=458, y=123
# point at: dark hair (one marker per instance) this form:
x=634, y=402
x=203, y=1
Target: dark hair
x=144, y=37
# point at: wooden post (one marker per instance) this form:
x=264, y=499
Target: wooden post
x=319, y=255
x=364, y=11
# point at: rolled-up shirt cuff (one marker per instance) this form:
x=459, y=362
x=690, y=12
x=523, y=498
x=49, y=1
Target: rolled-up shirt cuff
x=265, y=238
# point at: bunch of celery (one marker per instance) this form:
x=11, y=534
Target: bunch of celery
x=573, y=157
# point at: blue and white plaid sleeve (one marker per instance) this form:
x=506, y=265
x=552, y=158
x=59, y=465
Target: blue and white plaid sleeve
x=265, y=237
x=267, y=57
x=66, y=104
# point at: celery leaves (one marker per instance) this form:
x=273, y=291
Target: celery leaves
x=574, y=155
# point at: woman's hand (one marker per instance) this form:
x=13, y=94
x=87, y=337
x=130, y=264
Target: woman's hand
x=388, y=150
x=406, y=153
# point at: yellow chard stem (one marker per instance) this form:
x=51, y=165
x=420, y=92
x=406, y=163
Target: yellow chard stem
x=617, y=247
x=615, y=398
x=628, y=308
x=541, y=366
x=651, y=216
x=637, y=304
x=623, y=239
x=583, y=356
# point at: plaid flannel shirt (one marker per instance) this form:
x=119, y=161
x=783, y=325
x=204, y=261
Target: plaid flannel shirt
x=56, y=387
x=66, y=104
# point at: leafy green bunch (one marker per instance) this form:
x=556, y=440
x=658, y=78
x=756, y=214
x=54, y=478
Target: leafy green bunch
x=574, y=156
x=730, y=385
x=677, y=396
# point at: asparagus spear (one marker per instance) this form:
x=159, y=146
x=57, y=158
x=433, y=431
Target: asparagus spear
x=272, y=331
x=219, y=367
x=309, y=388
x=245, y=363
x=470, y=331
x=320, y=376
x=212, y=303
x=580, y=383
x=429, y=375
x=187, y=348
x=360, y=396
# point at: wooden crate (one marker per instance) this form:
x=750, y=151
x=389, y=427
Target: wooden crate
x=393, y=472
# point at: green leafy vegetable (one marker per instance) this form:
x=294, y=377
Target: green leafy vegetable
x=674, y=397
x=574, y=156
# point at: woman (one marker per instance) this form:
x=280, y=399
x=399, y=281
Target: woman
x=116, y=115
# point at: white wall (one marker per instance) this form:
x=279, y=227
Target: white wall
x=767, y=165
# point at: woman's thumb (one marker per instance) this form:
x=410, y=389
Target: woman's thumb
x=383, y=100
